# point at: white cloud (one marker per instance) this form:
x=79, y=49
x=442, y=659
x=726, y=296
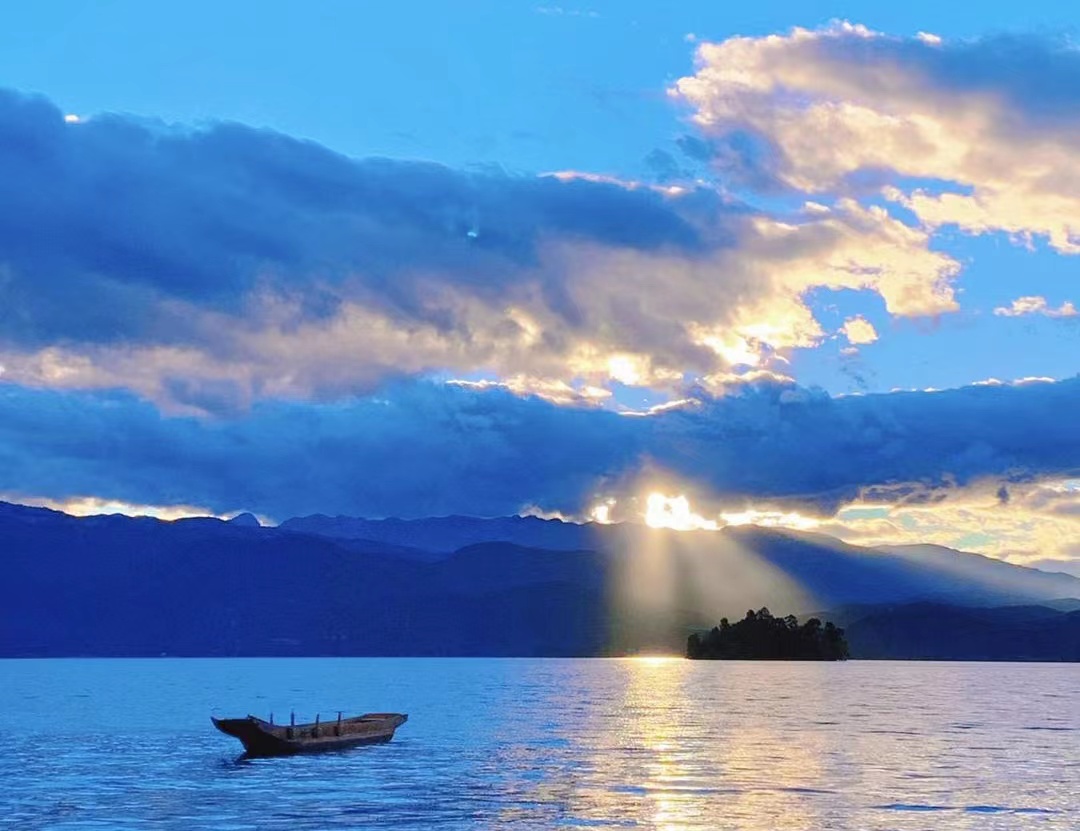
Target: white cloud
x=560, y=11
x=858, y=330
x=985, y=117
x=1036, y=305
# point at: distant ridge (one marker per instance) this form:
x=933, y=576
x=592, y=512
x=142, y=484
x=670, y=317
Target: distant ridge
x=449, y=533
x=246, y=520
x=118, y=585
x=935, y=631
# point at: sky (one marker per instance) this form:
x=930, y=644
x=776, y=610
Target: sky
x=800, y=264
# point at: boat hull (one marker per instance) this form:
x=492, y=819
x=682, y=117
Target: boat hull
x=261, y=739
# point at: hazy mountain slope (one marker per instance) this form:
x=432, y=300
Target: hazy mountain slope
x=996, y=575
x=848, y=573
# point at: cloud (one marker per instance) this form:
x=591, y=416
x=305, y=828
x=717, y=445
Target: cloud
x=1025, y=522
x=1036, y=305
x=417, y=449
x=858, y=331
x=560, y=11
x=207, y=269
x=816, y=453
x=980, y=134
x=92, y=506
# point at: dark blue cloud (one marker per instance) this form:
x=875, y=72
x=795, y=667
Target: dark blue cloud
x=420, y=449
x=101, y=221
x=744, y=158
x=423, y=449
x=804, y=446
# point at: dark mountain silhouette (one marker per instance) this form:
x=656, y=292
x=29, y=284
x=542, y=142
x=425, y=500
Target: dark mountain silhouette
x=247, y=520
x=934, y=631
x=117, y=585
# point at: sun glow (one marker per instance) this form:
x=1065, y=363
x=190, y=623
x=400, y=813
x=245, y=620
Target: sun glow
x=626, y=369
x=771, y=519
x=674, y=512
x=733, y=348
x=601, y=514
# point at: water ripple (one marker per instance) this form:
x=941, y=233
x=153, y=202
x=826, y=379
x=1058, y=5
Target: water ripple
x=546, y=744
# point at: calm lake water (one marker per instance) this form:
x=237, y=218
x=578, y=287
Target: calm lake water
x=127, y=744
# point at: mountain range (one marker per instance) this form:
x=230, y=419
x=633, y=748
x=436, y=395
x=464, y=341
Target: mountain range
x=118, y=585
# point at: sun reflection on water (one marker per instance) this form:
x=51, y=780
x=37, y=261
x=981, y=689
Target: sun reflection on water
x=658, y=767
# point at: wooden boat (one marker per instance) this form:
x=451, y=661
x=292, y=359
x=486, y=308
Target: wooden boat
x=264, y=738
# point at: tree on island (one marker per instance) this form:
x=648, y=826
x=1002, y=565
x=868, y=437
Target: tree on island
x=761, y=637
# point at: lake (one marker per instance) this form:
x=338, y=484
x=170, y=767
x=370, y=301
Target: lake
x=630, y=743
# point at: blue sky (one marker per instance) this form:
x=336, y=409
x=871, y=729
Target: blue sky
x=519, y=84
x=273, y=207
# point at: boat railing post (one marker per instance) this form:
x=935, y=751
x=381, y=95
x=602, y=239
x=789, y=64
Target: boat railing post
x=271, y=719
x=338, y=730
x=315, y=730
x=292, y=724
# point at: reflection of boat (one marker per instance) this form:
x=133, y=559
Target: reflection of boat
x=264, y=738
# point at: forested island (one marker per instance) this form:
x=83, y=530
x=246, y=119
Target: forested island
x=762, y=637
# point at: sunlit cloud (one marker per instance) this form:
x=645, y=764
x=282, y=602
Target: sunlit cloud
x=601, y=513
x=770, y=519
x=677, y=514
x=859, y=331
x=1016, y=382
x=542, y=513
x=993, y=120
x=1036, y=305
x=94, y=506
x=1021, y=523
x=725, y=383
x=558, y=392
x=606, y=179
x=735, y=348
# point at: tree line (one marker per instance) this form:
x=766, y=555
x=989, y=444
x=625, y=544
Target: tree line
x=761, y=637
